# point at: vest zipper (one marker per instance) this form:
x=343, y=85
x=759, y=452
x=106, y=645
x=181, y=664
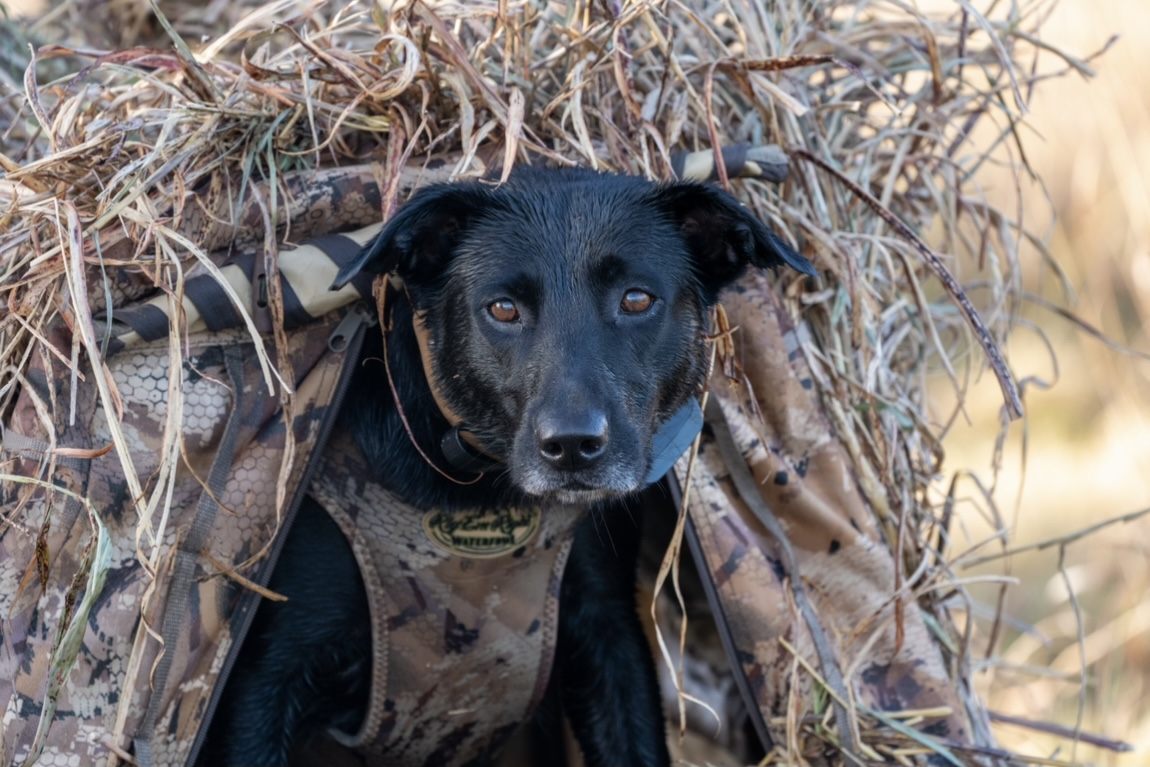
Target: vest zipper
x=754, y=712
x=346, y=339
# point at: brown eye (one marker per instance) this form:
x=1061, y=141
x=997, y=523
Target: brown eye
x=636, y=301
x=504, y=310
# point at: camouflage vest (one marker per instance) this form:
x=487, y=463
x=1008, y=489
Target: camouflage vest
x=133, y=662
x=464, y=611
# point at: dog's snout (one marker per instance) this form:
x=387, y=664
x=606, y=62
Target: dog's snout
x=574, y=441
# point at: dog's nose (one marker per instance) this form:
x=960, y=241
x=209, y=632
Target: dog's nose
x=572, y=441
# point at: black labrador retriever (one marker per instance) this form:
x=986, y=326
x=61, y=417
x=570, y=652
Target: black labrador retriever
x=564, y=312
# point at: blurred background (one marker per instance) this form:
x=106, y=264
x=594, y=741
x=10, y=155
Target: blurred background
x=1082, y=455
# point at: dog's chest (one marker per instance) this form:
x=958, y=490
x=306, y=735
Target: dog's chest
x=464, y=610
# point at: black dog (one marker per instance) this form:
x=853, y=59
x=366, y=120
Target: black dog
x=565, y=319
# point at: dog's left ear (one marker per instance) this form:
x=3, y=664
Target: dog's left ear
x=419, y=240
x=722, y=235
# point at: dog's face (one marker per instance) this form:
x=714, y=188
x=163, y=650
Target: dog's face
x=566, y=312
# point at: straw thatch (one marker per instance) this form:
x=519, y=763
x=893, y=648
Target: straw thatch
x=135, y=144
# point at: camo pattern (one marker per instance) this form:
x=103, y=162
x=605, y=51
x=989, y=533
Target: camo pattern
x=307, y=204
x=807, y=481
x=464, y=638
x=45, y=534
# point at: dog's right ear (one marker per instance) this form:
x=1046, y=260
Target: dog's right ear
x=723, y=236
x=418, y=240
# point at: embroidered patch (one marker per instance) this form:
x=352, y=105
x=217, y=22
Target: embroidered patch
x=481, y=534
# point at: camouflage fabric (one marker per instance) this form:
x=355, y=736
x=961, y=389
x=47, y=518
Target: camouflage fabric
x=805, y=478
x=464, y=608
x=307, y=204
x=123, y=694
x=153, y=649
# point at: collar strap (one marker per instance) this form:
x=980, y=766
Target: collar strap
x=460, y=446
x=461, y=449
x=423, y=340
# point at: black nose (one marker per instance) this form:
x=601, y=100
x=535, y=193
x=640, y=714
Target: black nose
x=572, y=441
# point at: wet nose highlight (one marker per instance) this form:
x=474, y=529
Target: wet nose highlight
x=573, y=442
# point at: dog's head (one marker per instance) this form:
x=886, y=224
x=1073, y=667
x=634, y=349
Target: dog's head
x=566, y=312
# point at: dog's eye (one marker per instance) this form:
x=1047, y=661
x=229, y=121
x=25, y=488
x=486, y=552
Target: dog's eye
x=504, y=310
x=636, y=301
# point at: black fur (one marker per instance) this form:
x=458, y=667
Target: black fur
x=570, y=394
x=605, y=673
x=306, y=664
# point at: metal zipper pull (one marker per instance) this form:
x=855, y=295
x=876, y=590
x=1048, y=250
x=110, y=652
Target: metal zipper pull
x=358, y=317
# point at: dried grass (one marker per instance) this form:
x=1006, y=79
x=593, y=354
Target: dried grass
x=110, y=153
